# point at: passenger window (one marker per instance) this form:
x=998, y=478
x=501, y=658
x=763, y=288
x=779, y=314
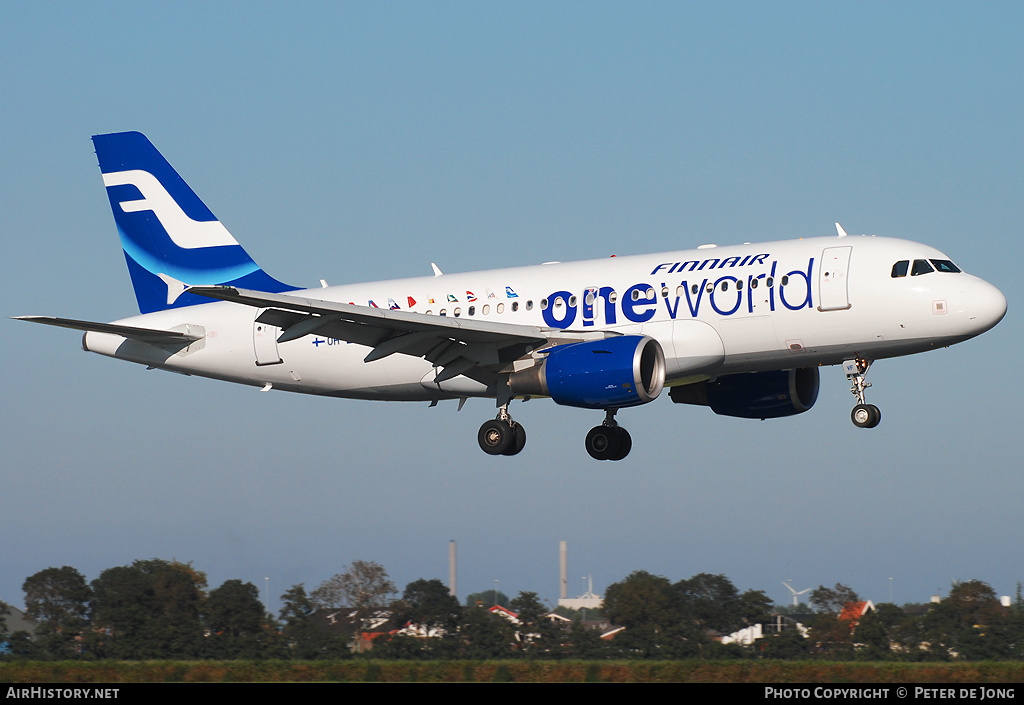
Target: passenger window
x=725, y=286
x=487, y=309
x=457, y=312
x=753, y=283
x=944, y=265
x=785, y=280
x=501, y=307
x=472, y=311
x=921, y=266
x=515, y=305
x=900, y=268
x=529, y=305
x=442, y=312
x=696, y=288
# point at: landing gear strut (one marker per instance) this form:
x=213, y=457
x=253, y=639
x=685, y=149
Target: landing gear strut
x=502, y=436
x=864, y=415
x=609, y=441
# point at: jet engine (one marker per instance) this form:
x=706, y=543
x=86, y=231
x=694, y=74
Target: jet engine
x=611, y=373
x=755, y=395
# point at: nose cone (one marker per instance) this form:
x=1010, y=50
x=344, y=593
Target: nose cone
x=986, y=306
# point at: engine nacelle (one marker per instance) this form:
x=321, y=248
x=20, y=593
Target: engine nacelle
x=612, y=373
x=757, y=395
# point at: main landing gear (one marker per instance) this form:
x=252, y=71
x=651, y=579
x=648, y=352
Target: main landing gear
x=609, y=441
x=864, y=415
x=502, y=436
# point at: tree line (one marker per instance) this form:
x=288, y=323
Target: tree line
x=677, y=620
x=157, y=609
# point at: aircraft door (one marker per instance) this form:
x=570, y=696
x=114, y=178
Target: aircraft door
x=264, y=342
x=591, y=306
x=833, y=294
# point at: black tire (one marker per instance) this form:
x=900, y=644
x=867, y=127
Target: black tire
x=876, y=416
x=623, y=444
x=494, y=437
x=862, y=416
x=518, y=440
x=601, y=442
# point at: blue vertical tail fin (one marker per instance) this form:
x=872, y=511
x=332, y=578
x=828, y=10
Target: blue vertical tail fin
x=170, y=238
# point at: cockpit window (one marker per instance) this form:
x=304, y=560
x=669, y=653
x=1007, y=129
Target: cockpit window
x=921, y=266
x=900, y=268
x=944, y=265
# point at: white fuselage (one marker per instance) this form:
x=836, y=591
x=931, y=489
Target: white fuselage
x=714, y=310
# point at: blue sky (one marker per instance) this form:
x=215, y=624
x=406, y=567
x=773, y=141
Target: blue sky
x=361, y=141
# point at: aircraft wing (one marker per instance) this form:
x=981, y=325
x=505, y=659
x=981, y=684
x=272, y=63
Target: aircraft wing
x=477, y=349
x=146, y=335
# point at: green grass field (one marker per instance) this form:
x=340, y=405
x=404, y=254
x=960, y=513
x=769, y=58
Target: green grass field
x=361, y=670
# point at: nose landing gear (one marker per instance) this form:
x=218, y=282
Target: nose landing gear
x=864, y=415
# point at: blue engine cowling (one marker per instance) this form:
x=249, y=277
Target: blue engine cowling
x=612, y=373
x=755, y=395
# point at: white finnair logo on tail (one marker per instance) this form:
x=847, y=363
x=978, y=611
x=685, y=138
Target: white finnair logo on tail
x=183, y=231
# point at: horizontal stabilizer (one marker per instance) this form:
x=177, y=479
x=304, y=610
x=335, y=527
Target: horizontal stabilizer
x=146, y=335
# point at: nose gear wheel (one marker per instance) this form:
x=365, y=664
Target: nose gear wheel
x=864, y=415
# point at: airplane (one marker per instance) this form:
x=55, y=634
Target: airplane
x=742, y=329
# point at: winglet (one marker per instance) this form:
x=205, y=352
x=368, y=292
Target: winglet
x=839, y=229
x=175, y=288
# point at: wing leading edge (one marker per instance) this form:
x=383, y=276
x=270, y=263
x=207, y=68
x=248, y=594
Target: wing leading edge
x=480, y=350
